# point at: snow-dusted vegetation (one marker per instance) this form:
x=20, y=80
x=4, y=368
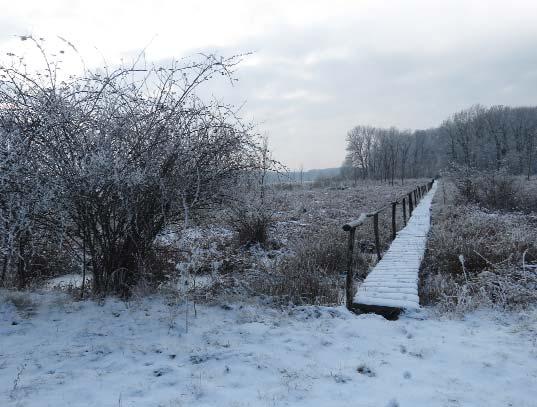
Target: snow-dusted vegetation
x=153, y=252
x=216, y=331
x=479, y=253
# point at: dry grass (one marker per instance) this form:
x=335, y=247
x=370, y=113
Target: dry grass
x=303, y=258
x=313, y=273
x=479, y=258
x=252, y=226
x=494, y=190
x=293, y=248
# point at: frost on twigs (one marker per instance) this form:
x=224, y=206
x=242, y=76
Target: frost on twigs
x=96, y=164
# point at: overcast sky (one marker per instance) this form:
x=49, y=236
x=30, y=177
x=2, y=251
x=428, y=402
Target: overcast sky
x=319, y=67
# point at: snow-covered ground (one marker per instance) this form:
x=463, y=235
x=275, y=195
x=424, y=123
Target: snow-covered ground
x=57, y=352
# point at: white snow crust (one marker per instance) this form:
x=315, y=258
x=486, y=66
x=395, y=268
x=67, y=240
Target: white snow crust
x=140, y=354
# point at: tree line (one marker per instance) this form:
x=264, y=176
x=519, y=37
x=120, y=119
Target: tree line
x=489, y=139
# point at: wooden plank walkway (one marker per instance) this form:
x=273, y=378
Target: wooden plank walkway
x=392, y=285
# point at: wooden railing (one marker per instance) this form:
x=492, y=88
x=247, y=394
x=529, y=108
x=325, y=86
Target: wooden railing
x=409, y=200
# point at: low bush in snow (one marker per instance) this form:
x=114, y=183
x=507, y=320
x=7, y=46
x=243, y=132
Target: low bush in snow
x=251, y=224
x=493, y=189
x=105, y=160
x=314, y=272
x=475, y=257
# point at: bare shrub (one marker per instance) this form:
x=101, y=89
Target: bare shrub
x=300, y=283
x=499, y=190
x=252, y=215
x=492, y=189
x=504, y=287
x=314, y=273
x=527, y=195
x=326, y=249
x=116, y=155
x=464, y=178
x=479, y=258
x=251, y=224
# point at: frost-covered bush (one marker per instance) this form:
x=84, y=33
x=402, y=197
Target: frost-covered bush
x=325, y=249
x=29, y=248
x=251, y=224
x=476, y=257
x=114, y=155
x=301, y=284
x=492, y=189
x=252, y=214
x=313, y=273
x=506, y=287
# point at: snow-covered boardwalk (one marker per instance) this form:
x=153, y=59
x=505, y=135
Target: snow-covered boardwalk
x=393, y=284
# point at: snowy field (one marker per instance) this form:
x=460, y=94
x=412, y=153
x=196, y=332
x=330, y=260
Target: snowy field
x=56, y=352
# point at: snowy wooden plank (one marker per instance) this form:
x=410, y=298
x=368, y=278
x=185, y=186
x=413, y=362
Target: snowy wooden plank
x=393, y=284
x=394, y=290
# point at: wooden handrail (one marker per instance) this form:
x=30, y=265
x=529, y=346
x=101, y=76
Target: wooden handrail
x=412, y=199
x=355, y=223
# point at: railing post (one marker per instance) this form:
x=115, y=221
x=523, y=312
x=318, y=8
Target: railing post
x=404, y=210
x=376, y=230
x=410, y=205
x=348, y=280
x=394, y=225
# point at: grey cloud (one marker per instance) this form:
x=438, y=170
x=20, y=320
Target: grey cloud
x=312, y=85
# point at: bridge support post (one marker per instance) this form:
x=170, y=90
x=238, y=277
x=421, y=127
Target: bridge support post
x=348, y=280
x=404, y=211
x=394, y=225
x=377, y=238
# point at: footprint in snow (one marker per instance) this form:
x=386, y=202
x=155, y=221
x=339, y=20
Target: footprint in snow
x=365, y=370
x=161, y=371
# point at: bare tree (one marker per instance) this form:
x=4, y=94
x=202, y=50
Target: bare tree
x=359, y=144
x=497, y=138
x=405, y=144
